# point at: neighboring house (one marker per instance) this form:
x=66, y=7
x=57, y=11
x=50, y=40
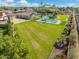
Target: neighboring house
x=68, y=11
x=25, y=14
x=4, y=18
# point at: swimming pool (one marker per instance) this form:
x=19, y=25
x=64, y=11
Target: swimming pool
x=50, y=21
x=45, y=19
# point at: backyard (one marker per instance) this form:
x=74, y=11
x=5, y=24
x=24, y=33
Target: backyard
x=40, y=37
x=39, y=29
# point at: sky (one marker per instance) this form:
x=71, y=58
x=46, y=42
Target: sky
x=28, y=3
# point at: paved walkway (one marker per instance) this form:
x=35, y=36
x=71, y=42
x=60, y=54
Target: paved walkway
x=77, y=43
x=54, y=53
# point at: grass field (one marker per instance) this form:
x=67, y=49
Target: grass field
x=39, y=37
x=62, y=17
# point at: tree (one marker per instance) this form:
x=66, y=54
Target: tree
x=11, y=47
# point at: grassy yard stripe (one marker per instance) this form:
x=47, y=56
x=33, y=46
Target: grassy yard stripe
x=32, y=54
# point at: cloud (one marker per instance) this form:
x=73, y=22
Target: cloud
x=8, y=1
x=23, y=1
x=7, y=4
x=35, y=5
x=68, y=5
x=77, y=0
x=29, y=5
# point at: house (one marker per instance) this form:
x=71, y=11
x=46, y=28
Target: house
x=67, y=11
x=25, y=14
x=3, y=19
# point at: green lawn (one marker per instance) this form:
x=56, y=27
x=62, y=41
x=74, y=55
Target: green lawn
x=39, y=37
x=62, y=17
x=51, y=18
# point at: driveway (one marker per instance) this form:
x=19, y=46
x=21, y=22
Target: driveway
x=17, y=20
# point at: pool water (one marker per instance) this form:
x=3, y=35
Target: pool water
x=50, y=21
